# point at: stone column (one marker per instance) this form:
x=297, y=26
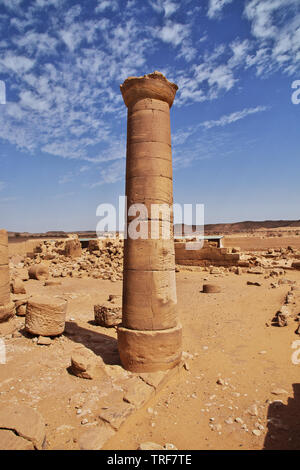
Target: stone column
x=149, y=338
x=6, y=306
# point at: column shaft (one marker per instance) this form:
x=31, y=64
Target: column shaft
x=150, y=335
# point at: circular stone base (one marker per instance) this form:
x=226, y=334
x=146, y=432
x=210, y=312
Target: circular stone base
x=150, y=351
x=211, y=289
x=7, y=311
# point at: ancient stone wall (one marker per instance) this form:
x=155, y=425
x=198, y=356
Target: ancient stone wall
x=206, y=256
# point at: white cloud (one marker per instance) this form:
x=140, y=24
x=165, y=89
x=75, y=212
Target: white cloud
x=173, y=33
x=216, y=6
x=16, y=63
x=11, y=4
x=275, y=25
x=105, y=5
x=110, y=174
x=167, y=7
x=233, y=117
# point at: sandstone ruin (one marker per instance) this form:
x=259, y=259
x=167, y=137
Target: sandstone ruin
x=7, y=307
x=150, y=336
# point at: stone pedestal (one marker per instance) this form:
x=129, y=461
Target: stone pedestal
x=150, y=335
x=7, y=308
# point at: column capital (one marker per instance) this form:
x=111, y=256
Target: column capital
x=153, y=85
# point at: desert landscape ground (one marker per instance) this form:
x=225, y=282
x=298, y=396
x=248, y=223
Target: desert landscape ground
x=238, y=383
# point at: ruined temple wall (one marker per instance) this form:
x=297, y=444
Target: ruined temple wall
x=205, y=257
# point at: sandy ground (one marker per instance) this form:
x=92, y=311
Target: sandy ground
x=228, y=338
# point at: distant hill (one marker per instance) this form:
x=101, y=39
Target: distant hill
x=216, y=229
x=247, y=226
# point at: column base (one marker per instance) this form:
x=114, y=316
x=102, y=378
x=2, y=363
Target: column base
x=150, y=351
x=7, y=311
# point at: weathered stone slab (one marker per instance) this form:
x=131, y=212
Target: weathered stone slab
x=25, y=422
x=9, y=441
x=94, y=439
x=116, y=413
x=158, y=379
x=137, y=392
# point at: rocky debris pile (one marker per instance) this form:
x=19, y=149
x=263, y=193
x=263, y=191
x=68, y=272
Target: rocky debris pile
x=109, y=314
x=289, y=310
x=279, y=257
x=103, y=259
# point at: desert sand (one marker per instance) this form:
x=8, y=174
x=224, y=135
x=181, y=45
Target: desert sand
x=238, y=387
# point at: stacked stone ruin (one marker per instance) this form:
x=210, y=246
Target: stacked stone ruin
x=150, y=336
x=7, y=307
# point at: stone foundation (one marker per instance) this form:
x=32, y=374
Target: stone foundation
x=206, y=256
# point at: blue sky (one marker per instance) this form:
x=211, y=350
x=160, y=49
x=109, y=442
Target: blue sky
x=235, y=130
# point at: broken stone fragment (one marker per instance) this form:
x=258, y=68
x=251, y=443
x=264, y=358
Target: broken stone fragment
x=21, y=273
x=24, y=422
x=250, y=283
x=283, y=316
x=296, y=265
x=52, y=283
x=108, y=314
x=253, y=410
x=21, y=310
x=94, y=439
x=137, y=392
x=44, y=341
x=116, y=413
x=17, y=287
x=150, y=446
x=279, y=391
x=86, y=365
x=45, y=316
x=39, y=272
x=20, y=302
x=211, y=288
x=115, y=298
x=73, y=248
x=255, y=271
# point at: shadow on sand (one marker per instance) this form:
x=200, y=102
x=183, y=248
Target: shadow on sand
x=102, y=345
x=283, y=432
